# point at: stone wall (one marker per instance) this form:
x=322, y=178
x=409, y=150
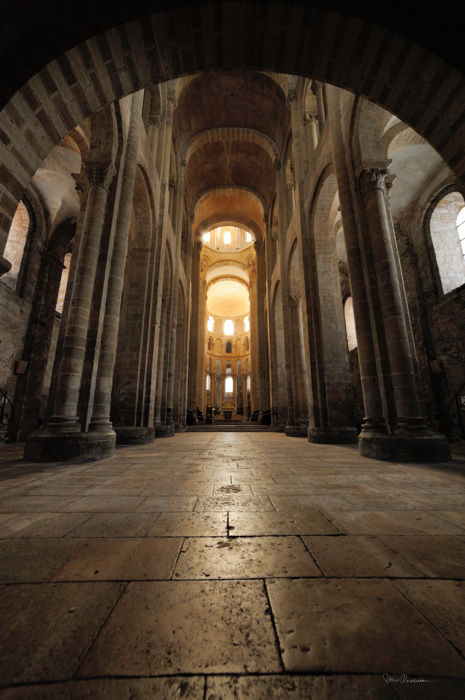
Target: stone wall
x=14, y=316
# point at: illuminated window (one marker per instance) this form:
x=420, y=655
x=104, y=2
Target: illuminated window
x=248, y=382
x=63, y=283
x=15, y=244
x=447, y=229
x=461, y=229
x=206, y=237
x=228, y=386
x=350, y=324
x=246, y=324
x=228, y=328
x=210, y=324
x=248, y=237
x=208, y=382
x=227, y=238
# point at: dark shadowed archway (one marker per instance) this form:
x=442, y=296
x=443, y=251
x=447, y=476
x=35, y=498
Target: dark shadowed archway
x=353, y=53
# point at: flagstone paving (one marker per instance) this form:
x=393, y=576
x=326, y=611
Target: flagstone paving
x=232, y=565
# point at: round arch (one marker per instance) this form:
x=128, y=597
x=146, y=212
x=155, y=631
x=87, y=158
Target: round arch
x=94, y=71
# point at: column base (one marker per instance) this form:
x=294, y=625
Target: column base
x=333, y=436
x=130, y=435
x=69, y=447
x=404, y=446
x=162, y=431
x=296, y=430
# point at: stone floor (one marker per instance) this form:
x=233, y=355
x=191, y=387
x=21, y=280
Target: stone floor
x=232, y=565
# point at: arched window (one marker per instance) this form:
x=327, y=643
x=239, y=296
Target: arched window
x=208, y=382
x=228, y=386
x=248, y=382
x=228, y=346
x=246, y=324
x=248, y=237
x=206, y=237
x=210, y=324
x=461, y=229
x=350, y=324
x=15, y=244
x=228, y=367
x=227, y=238
x=228, y=328
x=210, y=344
x=247, y=345
x=447, y=228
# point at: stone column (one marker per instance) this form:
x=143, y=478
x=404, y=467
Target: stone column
x=312, y=132
x=194, y=329
x=100, y=421
x=374, y=422
x=317, y=89
x=373, y=193
x=153, y=134
x=254, y=357
x=330, y=409
x=202, y=342
x=412, y=437
x=298, y=372
x=62, y=439
x=283, y=218
x=161, y=292
x=169, y=428
x=261, y=369
x=272, y=370
x=161, y=367
x=389, y=181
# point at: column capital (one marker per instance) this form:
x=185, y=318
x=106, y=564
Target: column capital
x=258, y=246
x=100, y=175
x=155, y=120
x=198, y=246
x=390, y=177
x=277, y=165
x=309, y=118
x=171, y=97
x=291, y=97
x=294, y=299
x=372, y=179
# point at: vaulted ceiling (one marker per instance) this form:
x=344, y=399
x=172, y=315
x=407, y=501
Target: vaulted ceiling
x=229, y=128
